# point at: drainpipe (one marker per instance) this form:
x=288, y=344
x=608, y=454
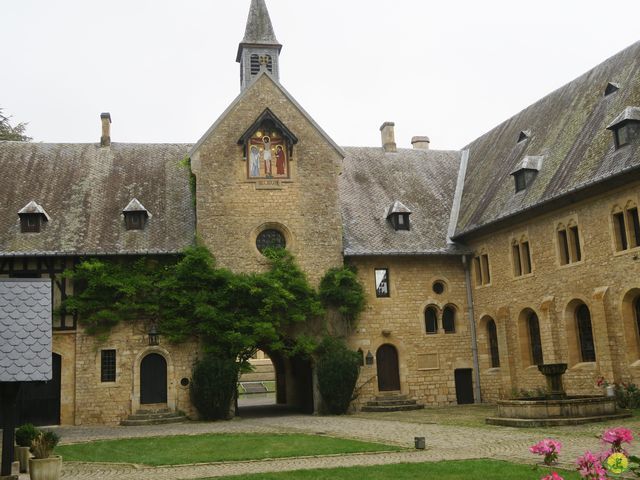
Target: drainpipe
x=472, y=323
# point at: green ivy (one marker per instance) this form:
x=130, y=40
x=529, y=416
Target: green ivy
x=340, y=288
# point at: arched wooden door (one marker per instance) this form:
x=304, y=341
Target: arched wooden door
x=153, y=379
x=388, y=368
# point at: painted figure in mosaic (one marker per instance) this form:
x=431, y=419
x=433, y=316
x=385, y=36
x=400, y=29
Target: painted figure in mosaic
x=254, y=165
x=266, y=155
x=280, y=160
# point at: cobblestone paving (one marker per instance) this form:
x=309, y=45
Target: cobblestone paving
x=444, y=442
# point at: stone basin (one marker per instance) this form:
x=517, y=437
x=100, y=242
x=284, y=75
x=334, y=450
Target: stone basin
x=541, y=412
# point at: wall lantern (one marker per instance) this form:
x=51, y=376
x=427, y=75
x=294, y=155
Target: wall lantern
x=369, y=358
x=154, y=336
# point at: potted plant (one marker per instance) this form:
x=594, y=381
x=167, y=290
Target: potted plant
x=24, y=436
x=44, y=466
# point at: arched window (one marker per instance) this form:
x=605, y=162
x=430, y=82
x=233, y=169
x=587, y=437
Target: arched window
x=534, y=339
x=492, y=334
x=431, y=320
x=449, y=319
x=585, y=334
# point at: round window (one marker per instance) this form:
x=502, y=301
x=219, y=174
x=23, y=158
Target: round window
x=438, y=287
x=270, y=239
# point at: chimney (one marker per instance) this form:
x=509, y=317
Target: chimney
x=388, y=137
x=105, y=140
x=420, y=143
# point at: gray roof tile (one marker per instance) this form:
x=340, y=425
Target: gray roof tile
x=84, y=187
x=422, y=180
x=25, y=330
x=569, y=130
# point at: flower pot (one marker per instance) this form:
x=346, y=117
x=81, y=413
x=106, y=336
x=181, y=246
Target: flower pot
x=610, y=391
x=45, y=468
x=23, y=455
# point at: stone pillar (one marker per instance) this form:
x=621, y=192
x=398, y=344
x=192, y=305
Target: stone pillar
x=604, y=329
x=507, y=345
x=550, y=331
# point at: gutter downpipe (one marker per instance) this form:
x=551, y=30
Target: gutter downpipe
x=477, y=395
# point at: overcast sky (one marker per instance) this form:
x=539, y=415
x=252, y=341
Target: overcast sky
x=166, y=69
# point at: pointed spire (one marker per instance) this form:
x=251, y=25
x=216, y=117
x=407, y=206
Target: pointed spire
x=259, y=29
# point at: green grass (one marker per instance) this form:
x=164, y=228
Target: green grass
x=185, y=449
x=458, y=470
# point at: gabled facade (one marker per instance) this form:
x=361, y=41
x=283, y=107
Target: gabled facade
x=522, y=248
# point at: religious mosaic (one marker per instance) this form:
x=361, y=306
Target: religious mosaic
x=267, y=156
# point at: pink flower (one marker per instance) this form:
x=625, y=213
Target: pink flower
x=616, y=437
x=590, y=467
x=549, y=448
x=552, y=476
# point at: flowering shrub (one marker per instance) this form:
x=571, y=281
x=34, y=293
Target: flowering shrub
x=607, y=465
x=552, y=476
x=616, y=437
x=590, y=467
x=549, y=448
x=602, y=382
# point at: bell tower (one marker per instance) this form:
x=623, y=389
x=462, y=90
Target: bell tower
x=259, y=48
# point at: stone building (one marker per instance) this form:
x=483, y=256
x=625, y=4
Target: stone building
x=519, y=249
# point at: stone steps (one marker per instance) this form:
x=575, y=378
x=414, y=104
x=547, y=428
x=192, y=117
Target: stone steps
x=392, y=403
x=153, y=417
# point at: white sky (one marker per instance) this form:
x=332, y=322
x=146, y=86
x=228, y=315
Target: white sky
x=166, y=69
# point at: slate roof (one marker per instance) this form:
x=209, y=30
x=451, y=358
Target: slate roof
x=372, y=181
x=84, y=187
x=25, y=330
x=568, y=128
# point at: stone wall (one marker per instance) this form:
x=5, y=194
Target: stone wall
x=108, y=403
x=604, y=279
x=427, y=361
x=232, y=209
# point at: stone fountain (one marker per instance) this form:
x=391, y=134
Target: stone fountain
x=556, y=408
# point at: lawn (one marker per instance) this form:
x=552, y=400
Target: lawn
x=185, y=449
x=458, y=470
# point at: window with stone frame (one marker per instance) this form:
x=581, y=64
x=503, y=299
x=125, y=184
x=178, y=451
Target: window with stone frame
x=585, y=334
x=492, y=336
x=569, y=246
x=481, y=266
x=108, y=366
x=431, y=320
x=626, y=227
x=521, y=254
x=535, y=342
x=382, y=282
x=449, y=319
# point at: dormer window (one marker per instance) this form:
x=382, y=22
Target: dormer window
x=526, y=172
x=135, y=215
x=399, y=216
x=626, y=126
x=524, y=135
x=31, y=217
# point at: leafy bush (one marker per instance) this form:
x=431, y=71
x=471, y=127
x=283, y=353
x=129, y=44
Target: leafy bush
x=340, y=288
x=25, y=435
x=44, y=443
x=213, y=387
x=627, y=395
x=338, y=369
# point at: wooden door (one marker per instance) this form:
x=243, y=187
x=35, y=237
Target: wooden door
x=464, y=386
x=388, y=370
x=153, y=379
x=39, y=402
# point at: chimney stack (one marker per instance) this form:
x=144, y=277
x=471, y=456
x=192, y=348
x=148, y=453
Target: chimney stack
x=388, y=137
x=420, y=143
x=105, y=140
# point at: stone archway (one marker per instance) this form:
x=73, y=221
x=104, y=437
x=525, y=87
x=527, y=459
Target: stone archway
x=388, y=368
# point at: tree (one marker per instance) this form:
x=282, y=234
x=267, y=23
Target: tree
x=14, y=133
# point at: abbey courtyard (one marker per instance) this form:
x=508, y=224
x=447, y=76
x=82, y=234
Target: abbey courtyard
x=479, y=264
